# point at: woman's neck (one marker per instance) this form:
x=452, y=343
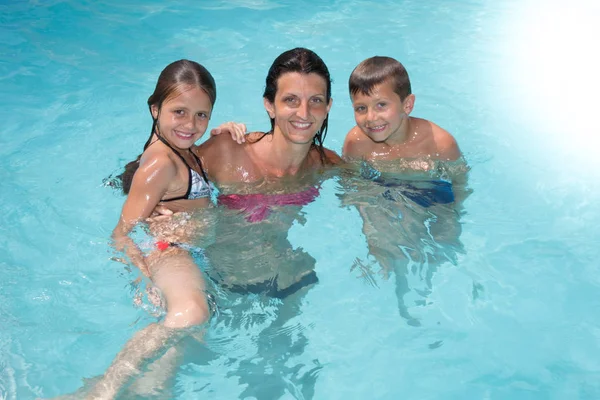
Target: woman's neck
x=279, y=157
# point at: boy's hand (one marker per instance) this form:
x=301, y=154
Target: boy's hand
x=236, y=130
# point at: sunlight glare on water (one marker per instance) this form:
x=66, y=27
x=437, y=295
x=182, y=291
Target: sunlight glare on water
x=556, y=84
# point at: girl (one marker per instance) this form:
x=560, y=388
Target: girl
x=167, y=171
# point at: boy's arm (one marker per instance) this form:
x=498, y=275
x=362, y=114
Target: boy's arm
x=448, y=150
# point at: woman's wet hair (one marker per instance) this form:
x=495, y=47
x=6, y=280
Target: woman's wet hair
x=303, y=61
x=170, y=82
x=376, y=70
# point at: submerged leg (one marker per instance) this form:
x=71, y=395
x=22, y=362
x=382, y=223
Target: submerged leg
x=154, y=381
x=178, y=277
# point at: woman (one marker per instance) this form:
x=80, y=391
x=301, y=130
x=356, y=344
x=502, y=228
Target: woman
x=270, y=170
x=297, y=98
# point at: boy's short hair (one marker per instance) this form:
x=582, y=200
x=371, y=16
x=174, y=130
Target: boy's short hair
x=374, y=71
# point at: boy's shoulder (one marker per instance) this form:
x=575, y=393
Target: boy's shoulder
x=356, y=143
x=445, y=144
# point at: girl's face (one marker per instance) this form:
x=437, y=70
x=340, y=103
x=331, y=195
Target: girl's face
x=183, y=117
x=300, y=106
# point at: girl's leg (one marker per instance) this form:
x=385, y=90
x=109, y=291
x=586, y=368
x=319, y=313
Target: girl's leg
x=156, y=378
x=183, y=287
x=178, y=277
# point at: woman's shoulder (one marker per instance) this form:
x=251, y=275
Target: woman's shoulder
x=327, y=156
x=332, y=156
x=221, y=156
x=223, y=145
x=219, y=143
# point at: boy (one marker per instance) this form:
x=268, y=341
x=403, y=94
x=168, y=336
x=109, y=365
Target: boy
x=382, y=100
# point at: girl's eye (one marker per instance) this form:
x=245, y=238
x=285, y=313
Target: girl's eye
x=179, y=112
x=202, y=115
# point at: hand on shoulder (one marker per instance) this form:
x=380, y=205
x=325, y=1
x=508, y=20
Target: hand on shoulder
x=236, y=130
x=217, y=146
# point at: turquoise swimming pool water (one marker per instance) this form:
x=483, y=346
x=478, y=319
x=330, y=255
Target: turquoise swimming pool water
x=514, y=317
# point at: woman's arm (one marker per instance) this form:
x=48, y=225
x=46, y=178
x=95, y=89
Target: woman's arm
x=149, y=185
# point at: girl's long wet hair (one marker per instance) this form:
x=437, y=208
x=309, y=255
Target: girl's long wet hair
x=303, y=61
x=171, y=79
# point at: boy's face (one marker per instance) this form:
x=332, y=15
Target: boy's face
x=382, y=115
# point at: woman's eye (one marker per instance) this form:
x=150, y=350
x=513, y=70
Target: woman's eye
x=290, y=100
x=317, y=100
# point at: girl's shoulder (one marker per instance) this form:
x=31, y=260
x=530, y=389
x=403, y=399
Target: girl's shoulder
x=157, y=158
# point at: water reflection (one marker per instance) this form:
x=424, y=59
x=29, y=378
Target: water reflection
x=411, y=222
x=261, y=280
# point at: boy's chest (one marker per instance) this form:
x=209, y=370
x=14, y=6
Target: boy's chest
x=417, y=149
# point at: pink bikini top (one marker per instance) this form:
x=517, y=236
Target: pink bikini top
x=258, y=206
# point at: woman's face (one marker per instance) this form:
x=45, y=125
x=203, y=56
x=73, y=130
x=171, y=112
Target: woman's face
x=300, y=106
x=183, y=118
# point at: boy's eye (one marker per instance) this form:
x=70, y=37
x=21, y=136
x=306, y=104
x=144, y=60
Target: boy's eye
x=381, y=105
x=360, y=109
x=202, y=115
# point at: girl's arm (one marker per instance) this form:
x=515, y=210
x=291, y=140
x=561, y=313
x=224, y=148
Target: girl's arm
x=149, y=185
